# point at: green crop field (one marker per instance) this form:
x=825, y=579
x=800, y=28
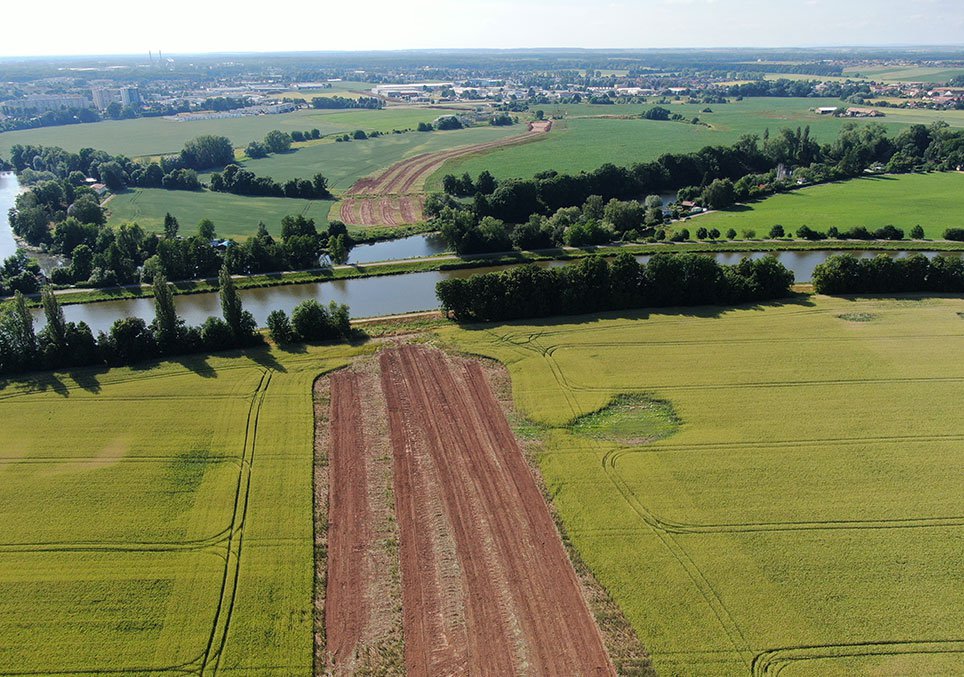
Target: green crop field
x=583, y=143
x=344, y=163
x=904, y=73
x=157, y=136
x=234, y=216
x=804, y=517
x=935, y=201
x=159, y=519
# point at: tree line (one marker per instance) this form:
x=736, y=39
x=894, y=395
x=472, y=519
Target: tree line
x=847, y=274
x=61, y=344
x=240, y=181
x=328, y=102
x=595, y=284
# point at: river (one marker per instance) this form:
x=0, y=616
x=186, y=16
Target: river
x=9, y=188
x=366, y=296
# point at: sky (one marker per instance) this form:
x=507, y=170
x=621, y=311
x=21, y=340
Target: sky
x=195, y=26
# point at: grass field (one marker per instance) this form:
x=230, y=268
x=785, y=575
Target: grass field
x=349, y=89
x=904, y=73
x=935, y=201
x=585, y=144
x=805, y=516
x=159, y=519
x=157, y=136
x=344, y=163
x=234, y=216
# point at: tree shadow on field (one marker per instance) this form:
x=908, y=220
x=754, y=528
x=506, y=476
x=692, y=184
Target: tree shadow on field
x=36, y=383
x=642, y=314
x=197, y=364
x=86, y=377
x=262, y=356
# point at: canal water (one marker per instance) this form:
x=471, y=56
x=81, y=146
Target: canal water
x=412, y=247
x=367, y=297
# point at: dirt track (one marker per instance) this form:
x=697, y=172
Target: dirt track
x=487, y=587
x=396, y=195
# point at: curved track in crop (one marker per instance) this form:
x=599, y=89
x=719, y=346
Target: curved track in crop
x=396, y=196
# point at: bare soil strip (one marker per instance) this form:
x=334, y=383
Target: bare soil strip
x=407, y=178
x=363, y=596
x=517, y=607
x=349, y=525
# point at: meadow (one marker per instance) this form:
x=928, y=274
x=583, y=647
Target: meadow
x=790, y=500
x=157, y=136
x=587, y=139
x=234, y=216
x=934, y=201
x=159, y=519
x=346, y=162
x=906, y=73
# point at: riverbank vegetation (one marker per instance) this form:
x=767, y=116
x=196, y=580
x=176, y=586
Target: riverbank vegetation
x=846, y=274
x=61, y=344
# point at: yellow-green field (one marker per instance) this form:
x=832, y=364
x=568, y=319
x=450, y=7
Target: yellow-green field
x=158, y=520
x=805, y=518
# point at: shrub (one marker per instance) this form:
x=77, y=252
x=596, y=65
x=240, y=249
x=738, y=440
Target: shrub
x=956, y=234
x=279, y=327
x=313, y=322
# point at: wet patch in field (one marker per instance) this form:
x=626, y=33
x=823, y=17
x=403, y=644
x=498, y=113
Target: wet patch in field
x=858, y=317
x=630, y=419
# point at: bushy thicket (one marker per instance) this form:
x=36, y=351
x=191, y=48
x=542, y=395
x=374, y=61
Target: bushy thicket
x=846, y=274
x=310, y=321
x=595, y=284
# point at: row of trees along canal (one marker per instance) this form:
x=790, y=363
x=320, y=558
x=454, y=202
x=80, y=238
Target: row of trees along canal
x=61, y=344
x=669, y=280
x=552, y=209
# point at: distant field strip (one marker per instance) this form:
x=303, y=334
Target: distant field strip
x=396, y=195
x=807, y=516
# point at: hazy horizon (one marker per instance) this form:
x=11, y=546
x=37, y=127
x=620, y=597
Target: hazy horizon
x=189, y=28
